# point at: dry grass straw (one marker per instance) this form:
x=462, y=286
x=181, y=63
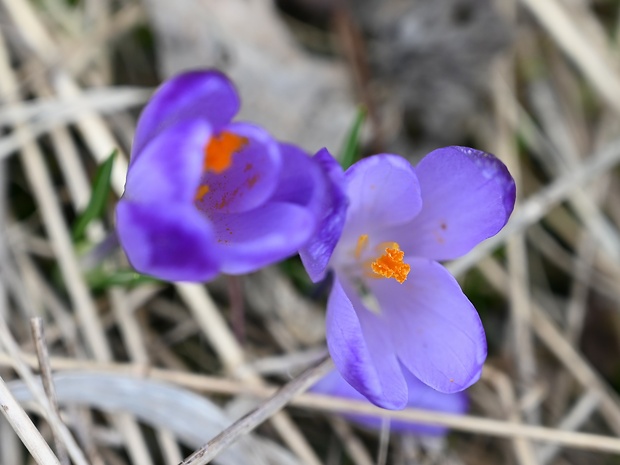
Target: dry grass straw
x=466, y=423
x=38, y=334
x=65, y=113
x=25, y=429
x=265, y=410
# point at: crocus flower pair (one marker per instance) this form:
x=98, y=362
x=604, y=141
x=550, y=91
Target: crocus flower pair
x=420, y=397
x=205, y=195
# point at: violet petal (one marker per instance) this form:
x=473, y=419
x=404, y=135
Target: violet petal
x=467, y=197
x=169, y=166
x=207, y=95
x=362, y=351
x=250, y=240
x=383, y=191
x=420, y=396
x=332, y=206
x=435, y=328
x=170, y=241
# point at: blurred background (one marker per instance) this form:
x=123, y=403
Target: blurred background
x=537, y=82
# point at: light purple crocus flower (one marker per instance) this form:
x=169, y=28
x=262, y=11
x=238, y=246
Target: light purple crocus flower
x=206, y=195
x=420, y=397
x=393, y=307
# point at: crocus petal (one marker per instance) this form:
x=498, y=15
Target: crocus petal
x=170, y=165
x=318, y=250
x=362, y=350
x=468, y=196
x=435, y=328
x=383, y=191
x=251, y=178
x=421, y=396
x=170, y=241
x=207, y=95
x=301, y=180
x=250, y=240
x=334, y=384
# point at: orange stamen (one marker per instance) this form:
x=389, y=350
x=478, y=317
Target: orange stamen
x=362, y=242
x=202, y=191
x=220, y=149
x=390, y=264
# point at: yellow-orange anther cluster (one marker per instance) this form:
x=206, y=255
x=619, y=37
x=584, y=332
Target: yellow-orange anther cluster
x=220, y=149
x=218, y=153
x=391, y=265
x=201, y=192
x=362, y=242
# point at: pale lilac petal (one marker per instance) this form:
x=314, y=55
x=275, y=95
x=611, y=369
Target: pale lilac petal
x=170, y=165
x=170, y=241
x=467, y=197
x=383, y=191
x=362, y=351
x=333, y=384
x=250, y=240
x=250, y=180
x=207, y=95
x=420, y=396
x=435, y=328
x=332, y=206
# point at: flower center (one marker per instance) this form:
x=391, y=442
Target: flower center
x=218, y=155
x=389, y=264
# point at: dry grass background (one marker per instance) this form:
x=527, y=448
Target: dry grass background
x=146, y=373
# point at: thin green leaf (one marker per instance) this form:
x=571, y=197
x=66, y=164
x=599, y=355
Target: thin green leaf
x=351, y=149
x=96, y=205
x=100, y=280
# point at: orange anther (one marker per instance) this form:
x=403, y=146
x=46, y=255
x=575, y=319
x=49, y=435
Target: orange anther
x=220, y=149
x=362, y=242
x=391, y=265
x=201, y=192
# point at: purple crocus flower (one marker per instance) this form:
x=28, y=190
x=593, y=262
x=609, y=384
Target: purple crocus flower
x=420, y=396
x=393, y=307
x=206, y=195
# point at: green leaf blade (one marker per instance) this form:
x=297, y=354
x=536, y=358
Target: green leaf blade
x=99, y=195
x=351, y=148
